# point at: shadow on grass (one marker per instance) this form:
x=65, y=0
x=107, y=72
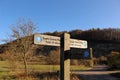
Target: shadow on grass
x=35, y=76
x=115, y=75
x=45, y=75
x=52, y=76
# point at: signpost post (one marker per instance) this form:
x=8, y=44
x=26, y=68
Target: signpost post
x=64, y=60
x=65, y=43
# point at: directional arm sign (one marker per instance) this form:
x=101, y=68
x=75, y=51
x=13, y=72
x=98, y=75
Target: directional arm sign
x=46, y=40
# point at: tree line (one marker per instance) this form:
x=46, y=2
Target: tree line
x=108, y=34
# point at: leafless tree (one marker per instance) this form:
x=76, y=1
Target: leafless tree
x=22, y=36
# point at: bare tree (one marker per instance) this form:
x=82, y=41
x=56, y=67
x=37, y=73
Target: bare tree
x=22, y=35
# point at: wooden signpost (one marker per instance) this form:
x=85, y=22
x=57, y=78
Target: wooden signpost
x=55, y=41
x=65, y=44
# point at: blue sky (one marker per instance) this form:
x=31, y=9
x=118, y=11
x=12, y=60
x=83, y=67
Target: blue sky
x=60, y=15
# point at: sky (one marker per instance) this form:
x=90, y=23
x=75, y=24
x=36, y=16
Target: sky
x=60, y=15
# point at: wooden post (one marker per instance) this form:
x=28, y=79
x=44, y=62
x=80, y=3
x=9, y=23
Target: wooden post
x=65, y=61
x=91, y=58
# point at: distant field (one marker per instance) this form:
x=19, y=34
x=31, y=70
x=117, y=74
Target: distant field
x=5, y=68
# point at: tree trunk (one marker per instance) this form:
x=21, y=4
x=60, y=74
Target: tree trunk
x=25, y=66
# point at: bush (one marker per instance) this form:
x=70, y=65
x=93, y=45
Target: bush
x=54, y=57
x=3, y=57
x=114, y=60
x=74, y=62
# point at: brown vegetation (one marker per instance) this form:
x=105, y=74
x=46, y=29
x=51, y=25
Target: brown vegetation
x=114, y=60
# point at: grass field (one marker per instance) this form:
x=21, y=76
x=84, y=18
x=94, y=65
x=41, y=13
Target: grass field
x=4, y=66
x=5, y=71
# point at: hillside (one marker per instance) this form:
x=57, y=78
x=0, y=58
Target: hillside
x=103, y=41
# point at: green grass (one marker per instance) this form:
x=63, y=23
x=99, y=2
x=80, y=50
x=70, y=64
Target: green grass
x=81, y=67
x=55, y=67
x=44, y=67
x=5, y=73
x=4, y=66
x=4, y=70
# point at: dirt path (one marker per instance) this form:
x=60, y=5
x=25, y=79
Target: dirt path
x=97, y=73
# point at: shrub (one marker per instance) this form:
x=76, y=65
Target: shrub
x=114, y=60
x=74, y=62
x=53, y=57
